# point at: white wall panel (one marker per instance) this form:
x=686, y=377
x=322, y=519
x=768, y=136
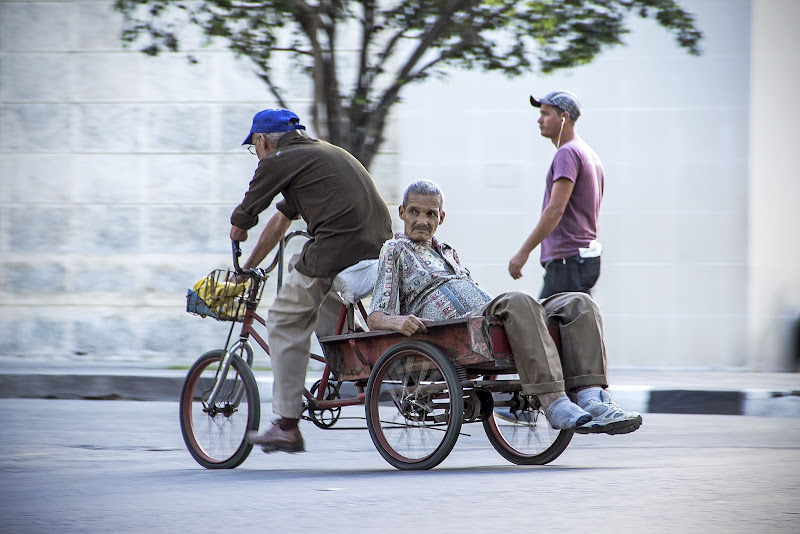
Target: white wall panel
x=118, y=173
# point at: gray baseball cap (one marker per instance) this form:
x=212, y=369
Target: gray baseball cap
x=562, y=100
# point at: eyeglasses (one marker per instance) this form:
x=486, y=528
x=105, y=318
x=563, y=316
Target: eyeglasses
x=252, y=149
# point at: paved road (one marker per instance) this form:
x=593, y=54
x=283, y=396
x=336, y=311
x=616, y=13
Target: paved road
x=98, y=466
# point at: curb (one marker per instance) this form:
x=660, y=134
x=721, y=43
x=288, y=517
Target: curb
x=105, y=387
x=643, y=399
x=752, y=402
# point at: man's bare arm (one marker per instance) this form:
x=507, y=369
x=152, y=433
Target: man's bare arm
x=405, y=324
x=551, y=216
x=269, y=238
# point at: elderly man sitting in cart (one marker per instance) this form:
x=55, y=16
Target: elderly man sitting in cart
x=420, y=279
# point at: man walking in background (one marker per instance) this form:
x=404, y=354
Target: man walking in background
x=567, y=228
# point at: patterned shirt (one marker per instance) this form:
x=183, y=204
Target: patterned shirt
x=424, y=280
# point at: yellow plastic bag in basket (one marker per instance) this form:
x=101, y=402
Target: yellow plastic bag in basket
x=218, y=292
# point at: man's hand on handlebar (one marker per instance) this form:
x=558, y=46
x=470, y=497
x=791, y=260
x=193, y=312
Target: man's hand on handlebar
x=238, y=234
x=271, y=237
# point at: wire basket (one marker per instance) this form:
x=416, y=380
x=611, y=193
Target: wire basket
x=223, y=296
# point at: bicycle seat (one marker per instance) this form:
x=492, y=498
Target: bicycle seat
x=357, y=281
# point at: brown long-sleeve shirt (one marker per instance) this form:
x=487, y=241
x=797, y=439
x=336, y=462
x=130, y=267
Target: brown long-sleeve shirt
x=325, y=185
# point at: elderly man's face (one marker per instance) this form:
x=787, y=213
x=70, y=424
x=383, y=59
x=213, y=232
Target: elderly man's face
x=422, y=215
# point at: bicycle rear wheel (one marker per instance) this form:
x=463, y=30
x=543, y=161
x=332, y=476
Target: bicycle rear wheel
x=415, y=405
x=215, y=434
x=524, y=437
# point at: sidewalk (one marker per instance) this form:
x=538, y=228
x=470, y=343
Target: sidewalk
x=643, y=390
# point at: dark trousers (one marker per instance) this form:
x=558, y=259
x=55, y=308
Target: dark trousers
x=570, y=274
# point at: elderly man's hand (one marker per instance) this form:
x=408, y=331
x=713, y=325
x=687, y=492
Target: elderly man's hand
x=238, y=234
x=407, y=325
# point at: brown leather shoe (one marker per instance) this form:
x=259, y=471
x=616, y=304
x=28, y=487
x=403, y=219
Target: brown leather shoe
x=276, y=439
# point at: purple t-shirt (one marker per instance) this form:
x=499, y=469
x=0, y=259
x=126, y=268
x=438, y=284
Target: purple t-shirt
x=577, y=162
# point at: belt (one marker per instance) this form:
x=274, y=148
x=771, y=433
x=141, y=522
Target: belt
x=571, y=259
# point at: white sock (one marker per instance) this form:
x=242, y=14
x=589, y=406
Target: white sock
x=585, y=395
x=565, y=414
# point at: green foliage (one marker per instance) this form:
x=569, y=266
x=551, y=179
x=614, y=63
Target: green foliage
x=393, y=43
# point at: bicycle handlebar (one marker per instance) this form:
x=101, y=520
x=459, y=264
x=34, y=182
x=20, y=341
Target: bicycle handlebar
x=276, y=261
x=237, y=252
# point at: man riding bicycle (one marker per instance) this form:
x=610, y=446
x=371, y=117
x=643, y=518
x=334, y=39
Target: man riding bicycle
x=347, y=221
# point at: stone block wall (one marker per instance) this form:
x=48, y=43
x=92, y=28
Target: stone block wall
x=118, y=173
x=671, y=130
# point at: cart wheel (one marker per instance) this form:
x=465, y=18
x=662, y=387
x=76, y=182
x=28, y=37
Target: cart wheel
x=521, y=433
x=327, y=417
x=415, y=405
x=215, y=434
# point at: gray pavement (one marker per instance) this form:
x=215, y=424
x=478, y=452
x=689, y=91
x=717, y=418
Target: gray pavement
x=644, y=390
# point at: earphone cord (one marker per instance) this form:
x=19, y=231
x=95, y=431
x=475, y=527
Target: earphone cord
x=558, y=143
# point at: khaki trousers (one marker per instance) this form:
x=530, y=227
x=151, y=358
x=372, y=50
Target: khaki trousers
x=541, y=370
x=303, y=305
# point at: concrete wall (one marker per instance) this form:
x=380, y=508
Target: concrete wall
x=671, y=130
x=119, y=172
x=773, y=188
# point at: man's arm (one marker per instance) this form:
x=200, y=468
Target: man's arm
x=551, y=216
x=270, y=237
x=405, y=324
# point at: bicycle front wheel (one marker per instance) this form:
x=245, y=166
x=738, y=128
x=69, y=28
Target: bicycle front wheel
x=215, y=433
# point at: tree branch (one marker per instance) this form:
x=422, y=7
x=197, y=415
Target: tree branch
x=430, y=36
x=377, y=119
x=275, y=90
x=305, y=6
x=367, y=29
x=505, y=35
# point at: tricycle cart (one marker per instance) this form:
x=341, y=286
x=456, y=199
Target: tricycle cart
x=417, y=391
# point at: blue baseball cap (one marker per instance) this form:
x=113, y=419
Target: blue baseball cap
x=273, y=120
